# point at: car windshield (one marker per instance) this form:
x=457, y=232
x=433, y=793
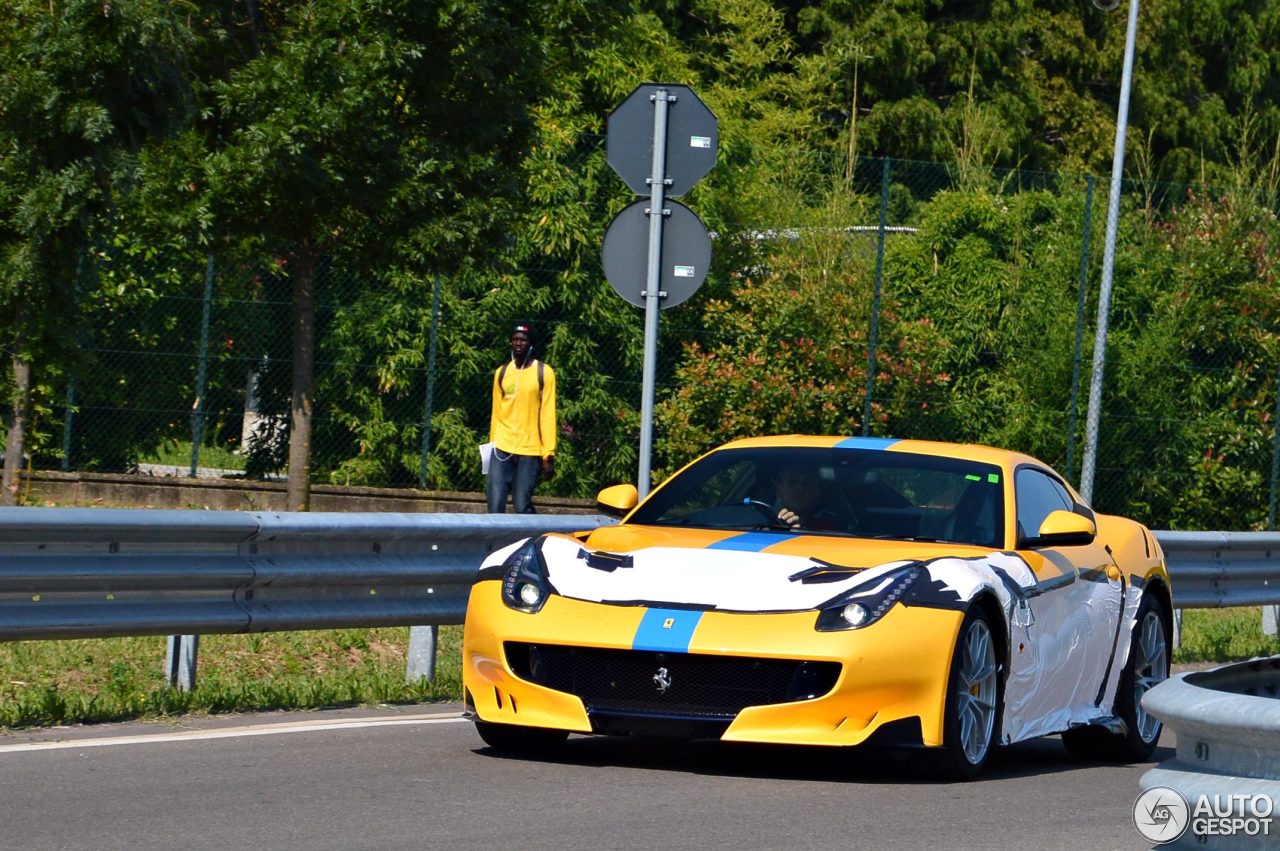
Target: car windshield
x=835, y=491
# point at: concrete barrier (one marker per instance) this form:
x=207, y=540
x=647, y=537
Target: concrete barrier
x=1227, y=767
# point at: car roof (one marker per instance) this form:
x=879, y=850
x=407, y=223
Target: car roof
x=966, y=451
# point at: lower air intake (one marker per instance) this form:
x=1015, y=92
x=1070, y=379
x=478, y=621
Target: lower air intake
x=685, y=685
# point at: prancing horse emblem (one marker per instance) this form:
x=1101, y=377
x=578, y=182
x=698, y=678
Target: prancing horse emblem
x=662, y=680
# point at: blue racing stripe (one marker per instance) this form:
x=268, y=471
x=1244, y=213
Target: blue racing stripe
x=866, y=443
x=751, y=542
x=666, y=630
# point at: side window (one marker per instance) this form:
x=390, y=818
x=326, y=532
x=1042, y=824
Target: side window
x=1037, y=495
x=1063, y=493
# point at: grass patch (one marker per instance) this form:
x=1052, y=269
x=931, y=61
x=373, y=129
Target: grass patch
x=177, y=453
x=1224, y=635
x=112, y=679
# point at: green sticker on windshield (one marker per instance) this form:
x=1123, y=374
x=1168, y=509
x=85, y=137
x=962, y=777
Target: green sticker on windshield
x=993, y=478
x=973, y=478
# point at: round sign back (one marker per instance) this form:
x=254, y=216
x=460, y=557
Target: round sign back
x=686, y=253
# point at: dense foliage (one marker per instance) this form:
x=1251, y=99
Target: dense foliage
x=334, y=160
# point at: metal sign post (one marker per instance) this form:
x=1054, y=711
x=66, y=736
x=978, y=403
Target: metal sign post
x=1094, y=414
x=676, y=266
x=657, y=194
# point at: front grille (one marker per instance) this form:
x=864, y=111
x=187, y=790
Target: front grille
x=682, y=685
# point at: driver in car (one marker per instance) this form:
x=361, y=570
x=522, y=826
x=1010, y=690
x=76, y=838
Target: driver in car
x=799, y=500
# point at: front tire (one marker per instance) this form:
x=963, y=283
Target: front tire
x=1148, y=664
x=972, y=703
x=529, y=741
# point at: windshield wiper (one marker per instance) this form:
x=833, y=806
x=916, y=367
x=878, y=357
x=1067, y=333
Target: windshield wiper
x=920, y=538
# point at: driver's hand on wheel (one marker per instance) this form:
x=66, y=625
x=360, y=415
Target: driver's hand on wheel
x=789, y=517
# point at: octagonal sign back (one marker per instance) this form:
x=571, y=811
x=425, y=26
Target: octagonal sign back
x=692, y=138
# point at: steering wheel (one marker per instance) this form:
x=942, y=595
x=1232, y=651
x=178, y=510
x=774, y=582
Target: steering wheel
x=764, y=508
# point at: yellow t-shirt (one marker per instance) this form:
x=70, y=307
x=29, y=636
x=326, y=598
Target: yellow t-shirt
x=524, y=420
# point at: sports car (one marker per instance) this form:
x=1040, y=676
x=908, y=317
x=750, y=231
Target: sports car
x=830, y=591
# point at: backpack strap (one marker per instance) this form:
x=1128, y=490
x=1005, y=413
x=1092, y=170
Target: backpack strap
x=542, y=383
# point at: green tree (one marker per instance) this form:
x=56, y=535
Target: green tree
x=995, y=275
x=1190, y=402
x=1202, y=68
x=735, y=55
x=84, y=86
x=1044, y=79
x=507, y=242
x=789, y=352
x=364, y=132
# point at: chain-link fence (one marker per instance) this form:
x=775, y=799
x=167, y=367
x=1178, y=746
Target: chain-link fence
x=935, y=302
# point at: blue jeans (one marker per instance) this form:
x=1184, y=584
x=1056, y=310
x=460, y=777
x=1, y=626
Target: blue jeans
x=514, y=474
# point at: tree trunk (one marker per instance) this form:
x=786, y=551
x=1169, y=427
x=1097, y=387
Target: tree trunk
x=254, y=26
x=303, y=263
x=18, y=428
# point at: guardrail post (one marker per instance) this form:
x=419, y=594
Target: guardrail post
x=422, y=653
x=1270, y=620
x=1177, y=629
x=180, y=661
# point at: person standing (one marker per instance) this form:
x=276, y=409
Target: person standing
x=522, y=427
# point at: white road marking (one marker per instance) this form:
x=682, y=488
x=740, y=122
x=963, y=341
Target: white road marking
x=237, y=732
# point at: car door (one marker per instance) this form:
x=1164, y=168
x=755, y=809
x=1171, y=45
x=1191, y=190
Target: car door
x=1059, y=661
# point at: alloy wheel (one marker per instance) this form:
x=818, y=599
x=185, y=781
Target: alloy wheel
x=976, y=706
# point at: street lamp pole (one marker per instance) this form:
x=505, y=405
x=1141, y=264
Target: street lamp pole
x=1088, y=464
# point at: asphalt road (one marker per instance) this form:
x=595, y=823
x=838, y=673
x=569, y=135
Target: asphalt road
x=416, y=777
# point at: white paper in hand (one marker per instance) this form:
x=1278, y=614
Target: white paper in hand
x=486, y=453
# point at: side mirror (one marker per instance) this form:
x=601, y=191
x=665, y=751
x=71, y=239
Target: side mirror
x=1064, y=529
x=618, y=499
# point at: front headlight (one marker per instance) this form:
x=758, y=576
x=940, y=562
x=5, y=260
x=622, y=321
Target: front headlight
x=525, y=586
x=866, y=604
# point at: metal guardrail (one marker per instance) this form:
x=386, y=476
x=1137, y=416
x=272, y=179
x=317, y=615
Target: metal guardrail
x=85, y=572
x=1216, y=569
x=93, y=573
x=1227, y=723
